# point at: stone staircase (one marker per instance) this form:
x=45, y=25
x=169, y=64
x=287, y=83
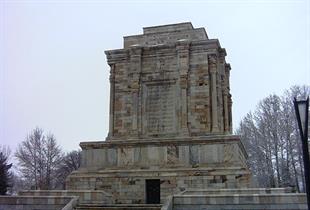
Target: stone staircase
x=118, y=207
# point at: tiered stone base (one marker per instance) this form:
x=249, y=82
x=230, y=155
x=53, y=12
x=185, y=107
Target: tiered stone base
x=128, y=186
x=122, y=168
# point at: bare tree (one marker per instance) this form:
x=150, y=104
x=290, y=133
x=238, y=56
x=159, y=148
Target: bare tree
x=271, y=138
x=70, y=162
x=38, y=158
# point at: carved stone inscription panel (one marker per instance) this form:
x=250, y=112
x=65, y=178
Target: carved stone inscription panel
x=160, y=110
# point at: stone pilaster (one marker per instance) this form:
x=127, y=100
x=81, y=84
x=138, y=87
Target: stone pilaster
x=228, y=97
x=212, y=59
x=112, y=96
x=222, y=90
x=183, y=66
x=135, y=70
x=226, y=117
x=227, y=73
x=230, y=113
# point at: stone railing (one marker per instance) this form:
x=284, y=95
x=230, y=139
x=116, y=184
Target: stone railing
x=168, y=205
x=72, y=204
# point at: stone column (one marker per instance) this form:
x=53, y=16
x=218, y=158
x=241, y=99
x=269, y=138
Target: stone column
x=135, y=69
x=213, y=71
x=228, y=98
x=225, y=104
x=230, y=113
x=183, y=65
x=227, y=73
x=112, y=88
x=222, y=90
x=135, y=105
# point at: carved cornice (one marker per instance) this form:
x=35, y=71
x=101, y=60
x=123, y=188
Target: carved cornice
x=161, y=141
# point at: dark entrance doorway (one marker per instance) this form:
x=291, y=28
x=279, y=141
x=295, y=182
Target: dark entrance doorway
x=152, y=188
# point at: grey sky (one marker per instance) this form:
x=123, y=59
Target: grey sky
x=53, y=72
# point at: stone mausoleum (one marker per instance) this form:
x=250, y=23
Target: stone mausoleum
x=170, y=144
x=170, y=125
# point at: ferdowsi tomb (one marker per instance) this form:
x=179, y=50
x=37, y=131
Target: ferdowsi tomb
x=170, y=125
x=170, y=144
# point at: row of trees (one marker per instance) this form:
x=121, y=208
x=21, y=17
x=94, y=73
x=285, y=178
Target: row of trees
x=41, y=164
x=271, y=137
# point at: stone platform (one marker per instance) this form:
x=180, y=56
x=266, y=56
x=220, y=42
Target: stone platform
x=190, y=199
x=121, y=168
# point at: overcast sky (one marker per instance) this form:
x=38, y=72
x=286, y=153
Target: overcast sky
x=53, y=70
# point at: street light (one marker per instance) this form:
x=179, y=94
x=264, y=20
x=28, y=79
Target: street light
x=302, y=111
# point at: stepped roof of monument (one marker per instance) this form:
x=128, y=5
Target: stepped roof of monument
x=168, y=28
x=166, y=34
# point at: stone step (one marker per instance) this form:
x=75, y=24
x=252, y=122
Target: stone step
x=118, y=207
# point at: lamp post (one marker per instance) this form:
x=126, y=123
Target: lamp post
x=302, y=111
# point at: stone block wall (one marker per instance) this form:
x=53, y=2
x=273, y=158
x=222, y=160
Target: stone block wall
x=85, y=196
x=219, y=151
x=129, y=186
x=171, y=81
x=36, y=202
x=241, y=202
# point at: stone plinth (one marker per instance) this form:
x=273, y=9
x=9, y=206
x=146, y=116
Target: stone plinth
x=121, y=168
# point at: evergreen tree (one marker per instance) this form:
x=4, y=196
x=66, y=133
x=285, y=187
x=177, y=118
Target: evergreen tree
x=5, y=174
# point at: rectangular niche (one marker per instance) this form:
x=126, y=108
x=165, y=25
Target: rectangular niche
x=160, y=108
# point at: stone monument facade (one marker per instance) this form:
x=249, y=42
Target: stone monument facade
x=170, y=126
